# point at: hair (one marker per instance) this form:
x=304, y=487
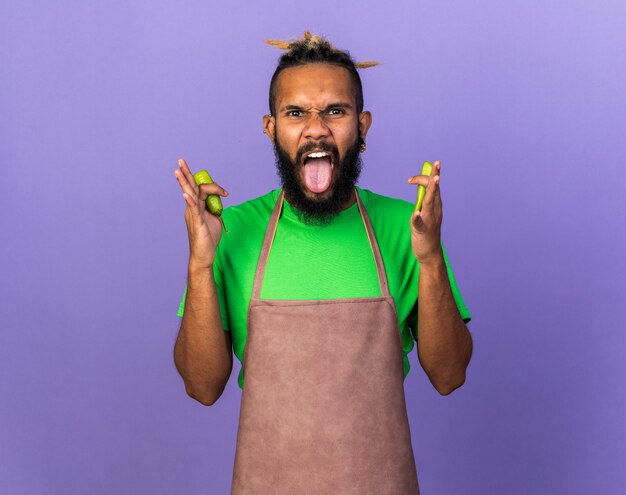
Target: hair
x=314, y=49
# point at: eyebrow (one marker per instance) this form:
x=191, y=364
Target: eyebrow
x=339, y=104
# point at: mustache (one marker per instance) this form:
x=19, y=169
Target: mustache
x=321, y=146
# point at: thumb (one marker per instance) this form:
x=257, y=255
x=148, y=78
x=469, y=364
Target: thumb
x=206, y=190
x=417, y=222
x=415, y=217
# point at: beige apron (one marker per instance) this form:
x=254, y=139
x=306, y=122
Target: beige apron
x=323, y=408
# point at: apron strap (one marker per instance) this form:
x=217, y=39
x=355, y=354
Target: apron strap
x=380, y=267
x=267, y=244
x=271, y=232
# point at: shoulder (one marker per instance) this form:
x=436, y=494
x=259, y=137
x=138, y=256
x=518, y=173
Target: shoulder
x=385, y=210
x=251, y=210
x=390, y=219
x=246, y=223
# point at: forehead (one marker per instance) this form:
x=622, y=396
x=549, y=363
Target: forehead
x=314, y=84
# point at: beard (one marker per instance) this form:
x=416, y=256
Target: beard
x=323, y=207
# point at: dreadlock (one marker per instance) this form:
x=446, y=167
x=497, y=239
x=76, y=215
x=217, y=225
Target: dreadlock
x=315, y=49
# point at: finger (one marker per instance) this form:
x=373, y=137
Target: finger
x=436, y=168
x=432, y=189
x=184, y=168
x=208, y=189
x=184, y=185
x=424, y=179
x=190, y=200
x=192, y=212
x=220, y=190
x=421, y=180
x=438, y=202
x=190, y=178
x=436, y=171
x=431, y=193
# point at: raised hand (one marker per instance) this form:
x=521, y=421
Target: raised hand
x=426, y=224
x=203, y=228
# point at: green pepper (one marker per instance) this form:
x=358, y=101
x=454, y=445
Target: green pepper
x=213, y=201
x=427, y=168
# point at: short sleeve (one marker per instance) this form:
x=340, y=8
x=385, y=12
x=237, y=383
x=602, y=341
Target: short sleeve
x=219, y=286
x=181, y=307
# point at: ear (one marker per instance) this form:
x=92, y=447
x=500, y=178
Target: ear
x=365, y=121
x=269, y=126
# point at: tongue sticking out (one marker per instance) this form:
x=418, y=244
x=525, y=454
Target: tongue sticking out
x=317, y=174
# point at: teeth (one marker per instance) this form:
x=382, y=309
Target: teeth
x=317, y=154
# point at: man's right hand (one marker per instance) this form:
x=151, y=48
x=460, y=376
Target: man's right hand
x=203, y=228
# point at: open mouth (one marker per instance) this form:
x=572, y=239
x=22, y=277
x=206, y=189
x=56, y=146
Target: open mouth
x=318, y=171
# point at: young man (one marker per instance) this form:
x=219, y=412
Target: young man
x=318, y=282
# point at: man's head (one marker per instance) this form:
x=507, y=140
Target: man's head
x=317, y=125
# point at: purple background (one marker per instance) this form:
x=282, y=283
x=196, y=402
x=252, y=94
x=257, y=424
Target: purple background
x=524, y=103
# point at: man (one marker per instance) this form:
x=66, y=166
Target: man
x=318, y=282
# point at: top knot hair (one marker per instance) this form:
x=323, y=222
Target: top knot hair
x=311, y=41
x=316, y=49
x=286, y=45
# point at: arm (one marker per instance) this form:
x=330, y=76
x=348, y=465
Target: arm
x=445, y=344
x=202, y=353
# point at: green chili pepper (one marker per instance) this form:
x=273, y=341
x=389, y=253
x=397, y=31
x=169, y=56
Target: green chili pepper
x=427, y=168
x=213, y=201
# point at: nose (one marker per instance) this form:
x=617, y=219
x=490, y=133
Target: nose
x=315, y=127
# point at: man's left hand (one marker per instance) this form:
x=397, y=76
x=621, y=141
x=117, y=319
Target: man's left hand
x=426, y=224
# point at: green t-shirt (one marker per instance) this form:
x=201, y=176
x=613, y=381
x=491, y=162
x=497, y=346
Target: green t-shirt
x=313, y=262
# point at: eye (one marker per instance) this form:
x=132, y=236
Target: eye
x=335, y=111
x=294, y=113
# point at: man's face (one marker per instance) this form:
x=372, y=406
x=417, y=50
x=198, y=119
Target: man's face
x=316, y=132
